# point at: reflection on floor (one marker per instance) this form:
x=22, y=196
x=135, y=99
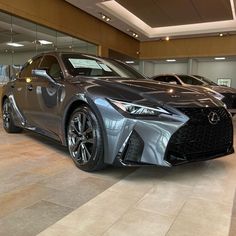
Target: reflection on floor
x=40, y=184
x=42, y=191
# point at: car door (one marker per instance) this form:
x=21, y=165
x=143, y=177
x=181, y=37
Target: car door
x=20, y=85
x=44, y=97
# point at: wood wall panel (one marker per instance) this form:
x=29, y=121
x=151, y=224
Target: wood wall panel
x=62, y=16
x=194, y=47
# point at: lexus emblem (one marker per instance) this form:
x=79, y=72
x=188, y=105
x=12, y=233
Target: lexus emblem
x=213, y=118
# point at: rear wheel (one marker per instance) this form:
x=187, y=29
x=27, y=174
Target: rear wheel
x=7, y=118
x=84, y=139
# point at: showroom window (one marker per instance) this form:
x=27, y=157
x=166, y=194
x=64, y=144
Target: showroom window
x=21, y=40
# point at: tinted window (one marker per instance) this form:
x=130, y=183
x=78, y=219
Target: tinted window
x=167, y=79
x=190, y=80
x=31, y=65
x=205, y=80
x=51, y=64
x=171, y=79
x=160, y=78
x=91, y=66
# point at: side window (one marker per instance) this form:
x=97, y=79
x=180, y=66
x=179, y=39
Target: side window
x=52, y=66
x=160, y=79
x=171, y=79
x=31, y=65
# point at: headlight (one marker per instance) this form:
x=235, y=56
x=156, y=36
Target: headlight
x=216, y=95
x=134, y=109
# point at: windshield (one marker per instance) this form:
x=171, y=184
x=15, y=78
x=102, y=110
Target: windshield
x=91, y=66
x=190, y=80
x=205, y=80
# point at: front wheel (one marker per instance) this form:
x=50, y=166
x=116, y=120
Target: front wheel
x=8, y=123
x=85, y=142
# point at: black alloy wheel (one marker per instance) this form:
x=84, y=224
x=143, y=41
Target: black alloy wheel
x=8, y=123
x=85, y=140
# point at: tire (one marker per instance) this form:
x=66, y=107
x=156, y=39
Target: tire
x=8, y=123
x=84, y=139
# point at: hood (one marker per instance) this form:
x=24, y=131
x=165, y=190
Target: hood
x=150, y=92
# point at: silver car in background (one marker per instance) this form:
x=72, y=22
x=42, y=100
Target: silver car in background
x=226, y=94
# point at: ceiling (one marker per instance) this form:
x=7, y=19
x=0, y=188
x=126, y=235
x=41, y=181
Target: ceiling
x=155, y=19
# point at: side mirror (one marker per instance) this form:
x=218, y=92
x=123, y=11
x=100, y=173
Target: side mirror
x=43, y=74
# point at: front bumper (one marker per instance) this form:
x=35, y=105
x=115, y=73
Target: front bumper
x=167, y=140
x=230, y=101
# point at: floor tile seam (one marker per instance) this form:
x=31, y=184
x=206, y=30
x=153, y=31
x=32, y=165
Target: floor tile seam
x=180, y=210
x=17, y=189
x=59, y=204
x=35, y=202
x=210, y=200
x=155, y=212
x=92, y=199
x=233, y=225
x=20, y=209
x=175, y=219
x=133, y=205
x=119, y=218
x=228, y=203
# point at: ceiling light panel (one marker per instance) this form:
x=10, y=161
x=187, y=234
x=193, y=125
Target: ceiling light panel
x=219, y=58
x=15, y=44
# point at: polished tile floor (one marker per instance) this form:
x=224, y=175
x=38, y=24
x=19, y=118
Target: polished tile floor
x=43, y=193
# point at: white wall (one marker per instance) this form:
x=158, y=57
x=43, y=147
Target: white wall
x=16, y=58
x=221, y=69
x=212, y=70
x=148, y=69
x=165, y=68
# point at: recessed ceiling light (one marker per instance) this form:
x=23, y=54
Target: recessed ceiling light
x=219, y=58
x=170, y=60
x=104, y=17
x=44, y=42
x=129, y=62
x=167, y=38
x=135, y=35
x=15, y=44
x=221, y=34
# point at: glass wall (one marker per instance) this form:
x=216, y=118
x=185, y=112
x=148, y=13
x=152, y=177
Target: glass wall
x=20, y=40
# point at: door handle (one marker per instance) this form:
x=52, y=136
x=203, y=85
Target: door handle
x=30, y=87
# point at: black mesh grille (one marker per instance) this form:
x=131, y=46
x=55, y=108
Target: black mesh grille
x=199, y=139
x=230, y=100
x=134, y=149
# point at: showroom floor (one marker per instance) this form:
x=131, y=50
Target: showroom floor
x=42, y=191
